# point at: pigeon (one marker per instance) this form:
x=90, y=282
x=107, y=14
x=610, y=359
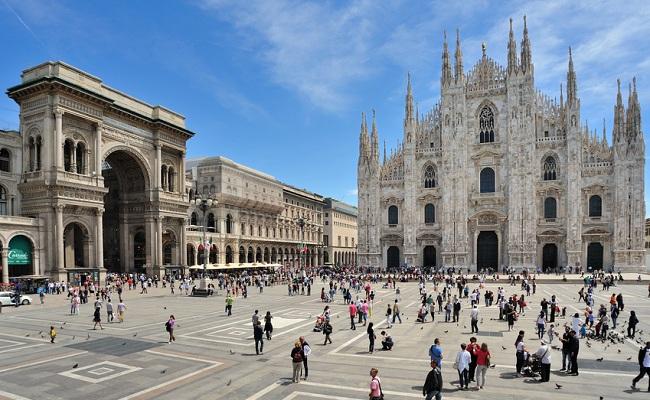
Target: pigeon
x=465, y=326
x=503, y=347
x=232, y=352
x=446, y=331
x=75, y=366
x=164, y=308
x=64, y=323
x=27, y=335
x=600, y=359
x=558, y=386
x=40, y=333
x=124, y=344
x=135, y=334
x=493, y=365
x=163, y=371
x=619, y=350
x=629, y=358
x=73, y=337
x=421, y=327
x=229, y=382
x=61, y=327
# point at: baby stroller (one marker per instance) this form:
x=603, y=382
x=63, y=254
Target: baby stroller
x=532, y=367
x=320, y=322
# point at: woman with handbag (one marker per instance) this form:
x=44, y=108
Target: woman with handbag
x=482, y=363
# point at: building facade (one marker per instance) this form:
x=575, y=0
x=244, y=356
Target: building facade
x=499, y=174
x=95, y=179
x=340, y=237
x=256, y=218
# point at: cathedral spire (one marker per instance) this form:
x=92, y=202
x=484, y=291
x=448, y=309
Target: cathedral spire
x=458, y=72
x=604, y=133
x=619, y=116
x=571, y=85
x=408, y=107
x=375, y=139
x=561, y=97
x=512, y=51
x=446, y=67
x=363, y=138
x=633, y=118
x=384, y=153
x=525, y=50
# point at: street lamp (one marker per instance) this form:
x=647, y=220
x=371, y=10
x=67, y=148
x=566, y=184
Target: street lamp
x=204, y=203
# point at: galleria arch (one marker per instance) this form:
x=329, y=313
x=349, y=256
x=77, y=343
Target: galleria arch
x=109, y=186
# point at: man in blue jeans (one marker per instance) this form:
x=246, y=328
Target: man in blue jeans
x=433, y=385
x=435, y=352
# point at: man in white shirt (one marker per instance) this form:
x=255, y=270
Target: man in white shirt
x=463, y=358
x=544, y=354
x=644, y=365
x=474, y=318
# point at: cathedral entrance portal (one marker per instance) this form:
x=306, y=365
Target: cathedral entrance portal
x=487, y=250
x=392, y=257
x=124, y=209
x=549, y=257
x=594, y=256
x=429, y=257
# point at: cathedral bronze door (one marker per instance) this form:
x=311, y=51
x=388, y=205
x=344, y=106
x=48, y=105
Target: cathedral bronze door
x=392, y=257
x=549, y=257
x=487, y=250
x=429, y=257
x=594, y=256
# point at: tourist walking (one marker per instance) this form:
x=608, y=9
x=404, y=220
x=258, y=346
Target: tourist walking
x=644, y=366
x=296, y=361
x=463, y=358
x=541, y=325
x=371, y=337
x=472, y=348
x=474, y=318
x=353, y=314
x=169, y=327
x=327, y=331
x=97, y=318
x=268, y=326
x=52, y=334
x=229, y=301
x=121, y=310
x=520, y=347
x=433, y=384
x=375, y=386
x=574, y=349
x=258, y=335
x=396, y=313
x=306, y=351
x=631, y=324
x=109, y=311
x=482, y=363
x=435, y=352
x=543, y=354
x=389, y=312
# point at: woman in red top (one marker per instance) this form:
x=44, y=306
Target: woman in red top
x=482, y=364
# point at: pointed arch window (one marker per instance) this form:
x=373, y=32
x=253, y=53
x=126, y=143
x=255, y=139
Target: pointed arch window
x=549, y=169
x=229, y=223
x=429, y=177
x=487, y=180
x=393, y=218
x=486, y=125
x=595, y=206
x=550, y=208
x=429, y=214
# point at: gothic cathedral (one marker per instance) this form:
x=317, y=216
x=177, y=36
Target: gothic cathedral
x=498, y=174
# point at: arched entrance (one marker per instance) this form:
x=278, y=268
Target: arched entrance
x=549, y=257
x=487, y=250
x=169, y=248
x=594, y=256
x=228, y=254
x=124, y=212
x=76, y=243
x=429, y=256
x=392, y=257
x=190, y=254
x=21, y=256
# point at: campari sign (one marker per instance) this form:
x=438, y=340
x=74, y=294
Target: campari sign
x=20, y=251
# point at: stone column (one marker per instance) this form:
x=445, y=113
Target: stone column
x=183, y=260
x=73, y=158
x=5, y=265
x=99, y=241
x=36, y=261
x=158, y=164
x=58, y=210
x=98, y=149
x=159, y=250
x=181, y=181
x=58, y=142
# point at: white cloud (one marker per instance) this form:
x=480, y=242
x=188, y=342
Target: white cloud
x=313, y=48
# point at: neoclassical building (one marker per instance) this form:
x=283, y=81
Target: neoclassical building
x=256, y=220
x=340, y=235
x=499, y=174
x=92, y=182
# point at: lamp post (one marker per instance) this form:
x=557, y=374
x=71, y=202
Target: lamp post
x=204, y=204
x=301, y=221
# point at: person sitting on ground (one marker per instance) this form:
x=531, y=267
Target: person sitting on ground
x=386, y=341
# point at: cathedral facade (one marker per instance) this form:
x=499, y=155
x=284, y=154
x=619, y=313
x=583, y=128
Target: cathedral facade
x=499, y=174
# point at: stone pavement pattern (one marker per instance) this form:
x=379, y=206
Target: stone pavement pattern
x=214, y=355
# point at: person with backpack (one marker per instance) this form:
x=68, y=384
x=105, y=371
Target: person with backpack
x=375, y=386
x=296, y=361
x=169, y=327
x=435, y=352
x=327, y=331
x=644, y=366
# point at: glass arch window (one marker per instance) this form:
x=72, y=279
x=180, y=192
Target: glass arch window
x=5, y=160
x=3, y=201
x=393, y=218
x=487, y=180
x=429, y=177
x=595, y=206
x=429, y=214
x=550, y=207
x=549, y=169
x=486, y=125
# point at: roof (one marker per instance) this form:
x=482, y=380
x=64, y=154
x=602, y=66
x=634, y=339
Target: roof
x=220, y=160
x=340, y=206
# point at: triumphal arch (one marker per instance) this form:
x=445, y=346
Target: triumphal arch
x=103, y=172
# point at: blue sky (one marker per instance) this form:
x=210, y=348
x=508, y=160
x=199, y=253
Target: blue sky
x=280, y=85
